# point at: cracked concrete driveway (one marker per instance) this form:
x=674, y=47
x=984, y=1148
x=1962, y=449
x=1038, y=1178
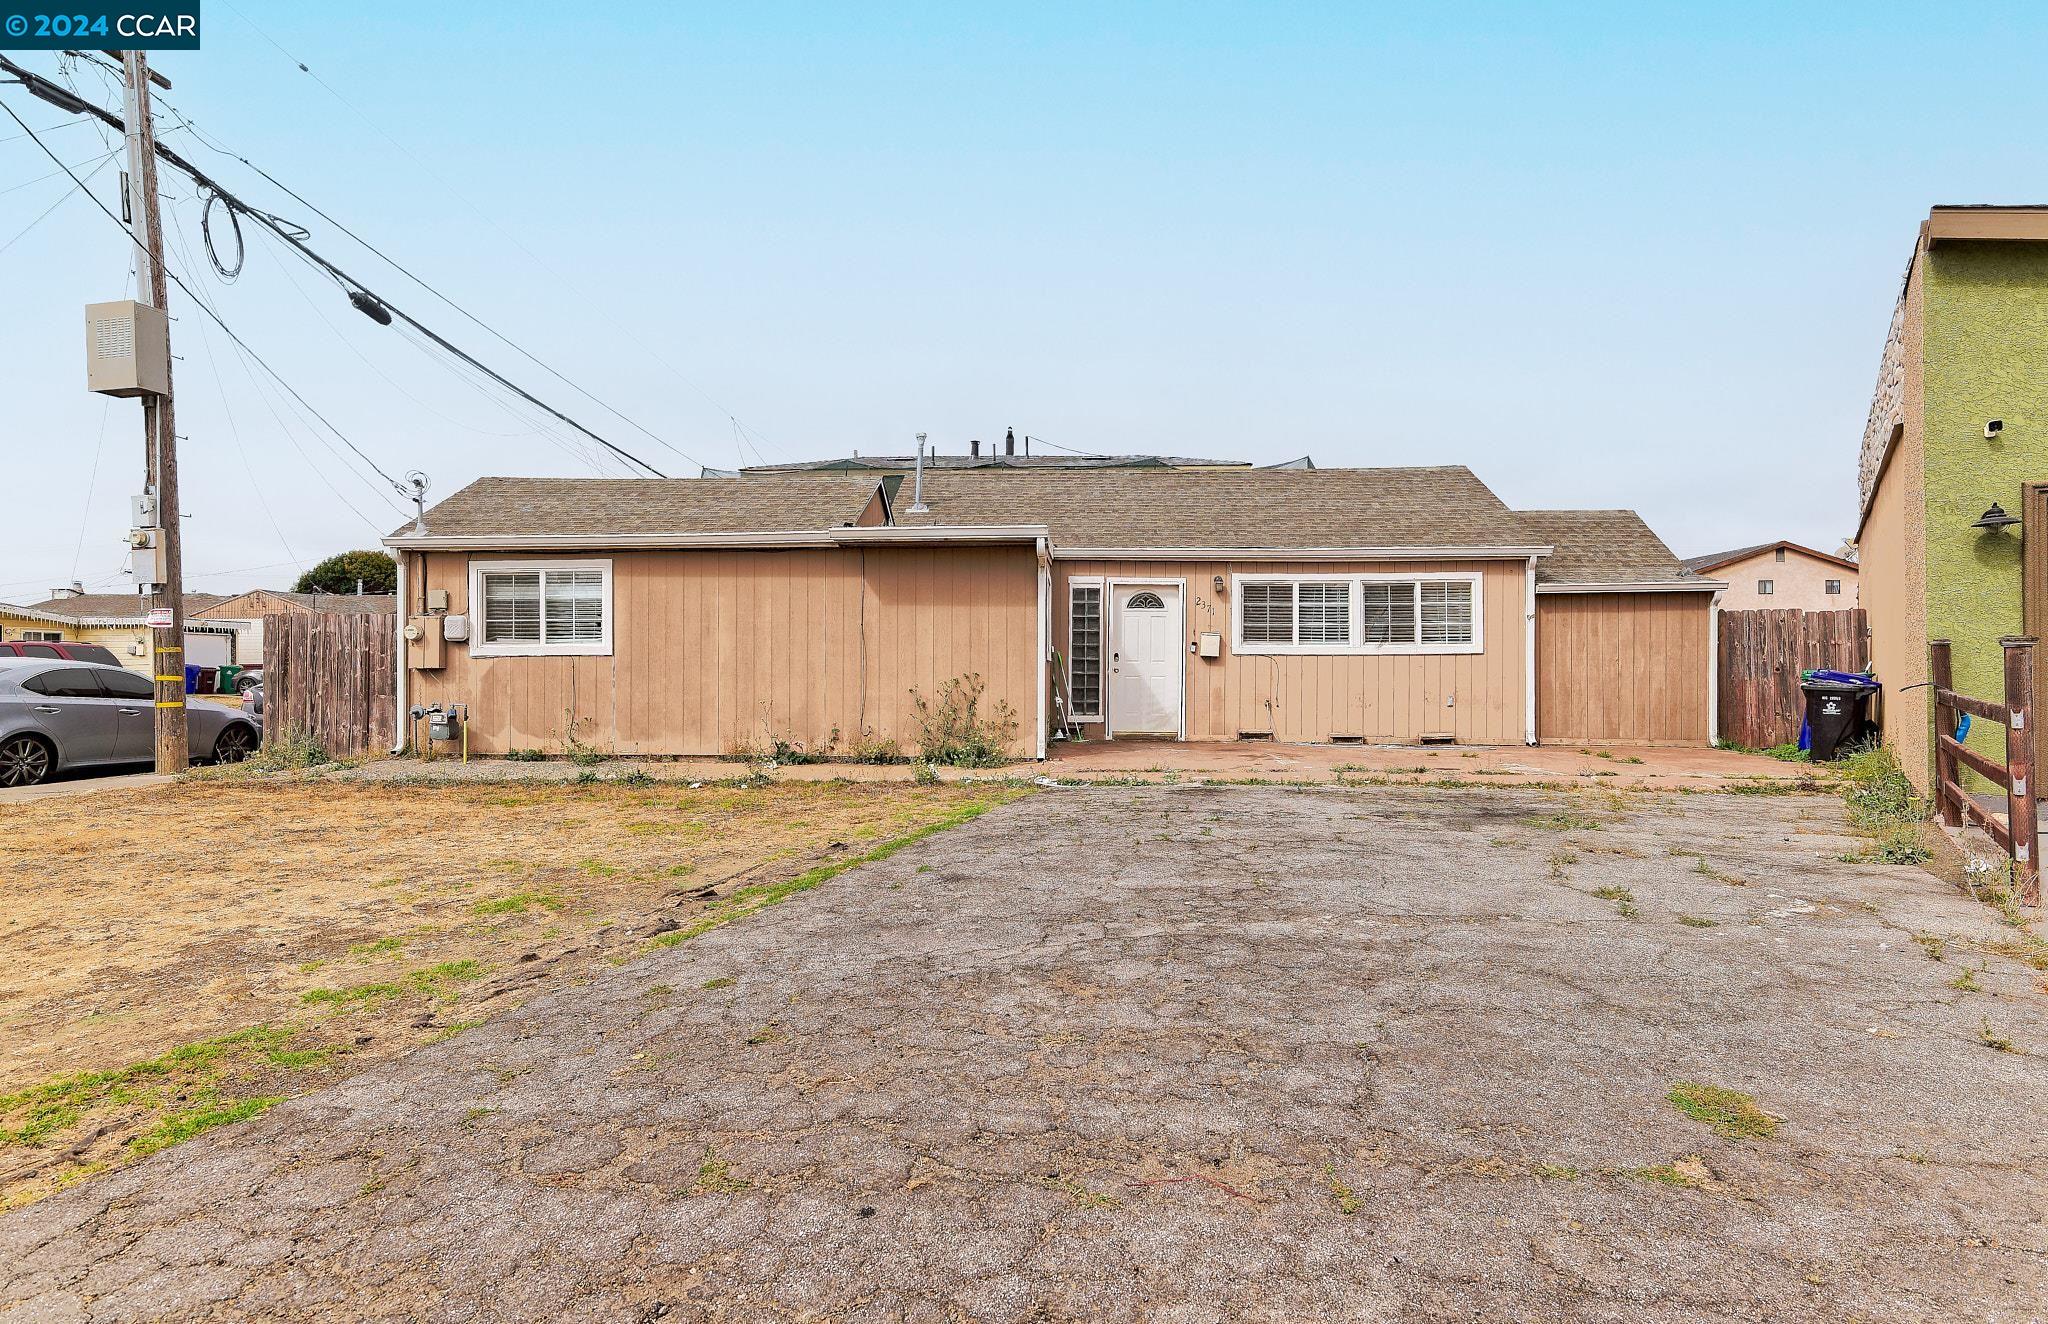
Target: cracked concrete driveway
x=1177, y=1054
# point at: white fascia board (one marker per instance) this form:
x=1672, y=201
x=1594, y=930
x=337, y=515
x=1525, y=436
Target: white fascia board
x=1653, y=586
x=1299, y=553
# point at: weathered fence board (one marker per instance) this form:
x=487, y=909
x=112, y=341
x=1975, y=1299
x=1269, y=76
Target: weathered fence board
x=329, y=676
x=1762, y=654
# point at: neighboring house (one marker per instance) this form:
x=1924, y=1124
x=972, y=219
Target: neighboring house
x=693, y=617
x=1782, y=576
x=117, y=620
x=244, y=612
x=1958, y=424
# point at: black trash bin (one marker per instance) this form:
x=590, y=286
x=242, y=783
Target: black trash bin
x=1837, y=714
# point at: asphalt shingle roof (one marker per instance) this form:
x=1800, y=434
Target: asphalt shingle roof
x=1445, y=506
x=1600, y=547
x=115, y=606
x=572, y=507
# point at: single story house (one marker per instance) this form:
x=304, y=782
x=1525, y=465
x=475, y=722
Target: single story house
x=244, y=612
x=696, y=616
x=1782, y=576
x=118, y=621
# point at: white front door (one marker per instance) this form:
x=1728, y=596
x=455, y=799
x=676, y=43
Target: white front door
x=1145, y=659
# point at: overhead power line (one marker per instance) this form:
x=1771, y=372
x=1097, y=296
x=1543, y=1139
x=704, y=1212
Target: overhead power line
x=204, y=140
x=204, y=307
x=371, y=304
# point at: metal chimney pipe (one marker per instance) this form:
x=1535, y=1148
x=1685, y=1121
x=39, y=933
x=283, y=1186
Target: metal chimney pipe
x=917, y=505
x=974, y=448
x=1010, y=442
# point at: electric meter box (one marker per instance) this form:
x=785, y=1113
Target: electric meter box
x=127, y=349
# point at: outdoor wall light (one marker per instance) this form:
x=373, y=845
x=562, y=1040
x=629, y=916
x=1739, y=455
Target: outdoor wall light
x=1219, y=584
x=1993, y=428
x=1994, y=519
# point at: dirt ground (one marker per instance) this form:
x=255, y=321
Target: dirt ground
x=179, y=955
x=1182, y=1053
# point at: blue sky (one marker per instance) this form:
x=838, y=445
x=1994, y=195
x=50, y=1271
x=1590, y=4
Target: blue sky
x=1607, y=256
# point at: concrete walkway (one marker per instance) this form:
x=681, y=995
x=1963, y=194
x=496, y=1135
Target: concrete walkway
x=86, y=784
x=1162, y=761
x=1181, y=1054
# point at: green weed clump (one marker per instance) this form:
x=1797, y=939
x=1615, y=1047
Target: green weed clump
x=1879, y=796
x=1730, y=1112
x=953, y=730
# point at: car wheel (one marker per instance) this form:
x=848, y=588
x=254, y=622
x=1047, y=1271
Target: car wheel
x=244, y=684
x=24, y=761
x=235, y=743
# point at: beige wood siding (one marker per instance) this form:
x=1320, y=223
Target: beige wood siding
x=1307, y=698
x=715, y=649
x=1623, y=668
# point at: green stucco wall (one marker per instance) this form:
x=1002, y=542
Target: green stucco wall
x=1986, y=357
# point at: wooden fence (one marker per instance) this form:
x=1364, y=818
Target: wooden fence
x=1762, y=654
x=329, y=676
x=2018, y=832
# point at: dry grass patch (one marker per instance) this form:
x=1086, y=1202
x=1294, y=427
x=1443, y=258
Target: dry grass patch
x=181, y=957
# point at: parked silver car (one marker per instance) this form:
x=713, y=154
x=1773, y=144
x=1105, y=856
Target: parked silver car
x=65, y=714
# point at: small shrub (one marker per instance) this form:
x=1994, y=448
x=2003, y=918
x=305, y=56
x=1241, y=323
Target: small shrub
x=952, y=729
x=526, y=755
x=871, y=748
x=288, y=751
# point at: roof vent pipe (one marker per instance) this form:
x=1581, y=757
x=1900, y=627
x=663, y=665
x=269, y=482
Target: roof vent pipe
x=974, y=448
x=917, y=505
x=1010, y=442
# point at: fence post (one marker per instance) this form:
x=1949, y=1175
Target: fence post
x=2021, y=809
x=1941, y=676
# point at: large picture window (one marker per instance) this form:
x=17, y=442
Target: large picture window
x=533, y=609
x=1084, y=652
x=1360, y=613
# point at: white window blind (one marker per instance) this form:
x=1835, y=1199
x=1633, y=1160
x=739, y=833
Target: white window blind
x=574, y=606
x=512, y=608
x=543, y=608
x=1389, y=613
x=1084, y=650
x=1360, y=613
x=1324, y=608
x=1446, y=612
x=1267, y=610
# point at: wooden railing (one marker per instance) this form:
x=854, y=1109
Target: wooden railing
x=2019, y=834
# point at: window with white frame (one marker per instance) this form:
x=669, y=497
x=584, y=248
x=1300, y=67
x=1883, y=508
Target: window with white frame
x=42, y=636
x=537, y=608
x=1364, y=613
x=1084, y=652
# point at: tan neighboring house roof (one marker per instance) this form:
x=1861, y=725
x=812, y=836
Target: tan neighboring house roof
x=1715, y=560
x=1437, y=509
x=1607, y=548
x=109, y=608
x=370, y=604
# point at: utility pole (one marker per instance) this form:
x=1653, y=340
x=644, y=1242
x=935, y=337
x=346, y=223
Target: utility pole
x=159, y=426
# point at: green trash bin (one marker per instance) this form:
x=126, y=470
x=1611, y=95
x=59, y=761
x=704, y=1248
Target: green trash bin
x=228, y=675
